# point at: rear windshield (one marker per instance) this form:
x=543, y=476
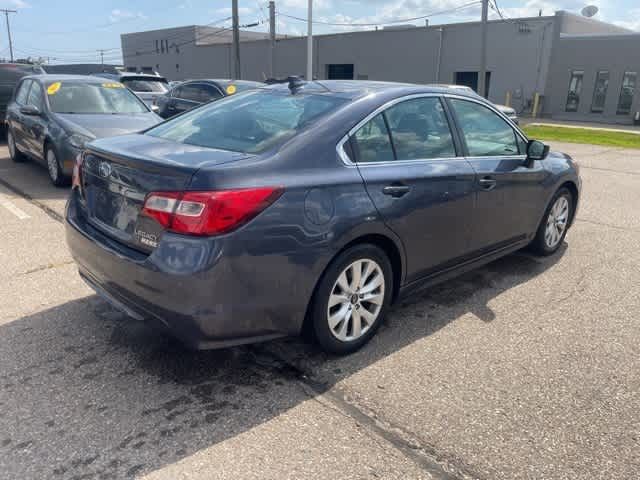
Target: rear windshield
x=251, y=122
x=108, y=97
x=144, y=85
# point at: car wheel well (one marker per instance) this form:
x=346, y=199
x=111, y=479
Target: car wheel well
x=386, y=245
x=573, y=189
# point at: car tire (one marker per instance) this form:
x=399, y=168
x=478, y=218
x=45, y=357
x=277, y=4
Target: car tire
x=15, y=154
x=345, y=312
x=555, y=223
x=58, y=178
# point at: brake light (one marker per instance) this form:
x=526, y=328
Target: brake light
x=76, y=179
x=208, y=213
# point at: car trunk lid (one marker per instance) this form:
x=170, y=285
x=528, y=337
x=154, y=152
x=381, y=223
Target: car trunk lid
x=118, y=174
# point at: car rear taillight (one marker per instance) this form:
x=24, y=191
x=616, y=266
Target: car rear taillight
x=76, y=179
x=208, y=213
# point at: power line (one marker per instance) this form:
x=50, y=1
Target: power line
x=403, y=20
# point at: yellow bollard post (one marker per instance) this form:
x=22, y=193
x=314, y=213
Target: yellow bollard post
x=536, y=104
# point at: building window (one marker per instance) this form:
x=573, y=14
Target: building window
x=600, y=91
x=157, y=47
x=340, y=71
x=626, y=93
x=575, y=88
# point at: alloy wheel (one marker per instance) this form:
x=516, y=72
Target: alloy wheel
x=52, y=164
x=556, y=222
x=356, y=300
x=12, y=145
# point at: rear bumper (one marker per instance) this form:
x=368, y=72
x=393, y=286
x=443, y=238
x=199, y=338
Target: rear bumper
x=189, y=286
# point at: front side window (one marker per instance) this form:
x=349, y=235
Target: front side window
x=575, y=89
x=419, y=129
x=36, y=97
x=251, y=122
x=372, y=141
x=108, y=97
x=626, y=93
x=600, y=91
x=484, y=131
x=23, y=92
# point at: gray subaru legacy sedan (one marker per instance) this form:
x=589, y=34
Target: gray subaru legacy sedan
x=309, y=207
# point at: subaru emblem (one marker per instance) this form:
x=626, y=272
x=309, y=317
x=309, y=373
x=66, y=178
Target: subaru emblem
x=104, y=169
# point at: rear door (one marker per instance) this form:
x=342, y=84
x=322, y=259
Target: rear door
x=507, y=191
x=420, y=184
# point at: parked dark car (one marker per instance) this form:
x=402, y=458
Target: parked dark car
x=51, y=117
x=314, y=206
x=10, y=75
x=193, y=93
x=146, y=85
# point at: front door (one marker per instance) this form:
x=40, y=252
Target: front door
x=507, y=190
x=34, y=125
x=424, y=190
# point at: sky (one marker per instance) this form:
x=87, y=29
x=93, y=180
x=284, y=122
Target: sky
x=71, y=31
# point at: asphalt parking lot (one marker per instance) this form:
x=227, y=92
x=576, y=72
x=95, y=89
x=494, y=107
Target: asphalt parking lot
x=526, y=369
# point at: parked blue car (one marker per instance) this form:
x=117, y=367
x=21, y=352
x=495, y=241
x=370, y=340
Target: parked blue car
x=309, y=206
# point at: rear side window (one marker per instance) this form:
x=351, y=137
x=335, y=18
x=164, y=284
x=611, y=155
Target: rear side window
x=372, y=141
x=420, y=130
x=251, y=122
x=484, y=131
x=36, y=96
x=23, y=92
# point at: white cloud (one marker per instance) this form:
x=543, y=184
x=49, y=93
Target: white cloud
x=14, y=4
x=303, y=4
x=631, y=24
x=227, y=11
x=118, y=15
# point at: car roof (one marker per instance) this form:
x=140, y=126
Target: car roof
x=359, y=88
x=53, y=77
x=149, y=76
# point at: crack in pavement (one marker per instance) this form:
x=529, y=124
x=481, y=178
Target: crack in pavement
x=48, y=266
x=608, y=225
x=439, y=466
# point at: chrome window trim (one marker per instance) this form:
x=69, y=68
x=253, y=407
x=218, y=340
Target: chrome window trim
x=342, y=154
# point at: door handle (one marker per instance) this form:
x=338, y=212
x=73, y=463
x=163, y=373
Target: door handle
x=487, y=183
x=396, y=191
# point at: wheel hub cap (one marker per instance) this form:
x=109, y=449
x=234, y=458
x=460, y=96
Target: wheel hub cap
x=356, y=300
x=556, y=222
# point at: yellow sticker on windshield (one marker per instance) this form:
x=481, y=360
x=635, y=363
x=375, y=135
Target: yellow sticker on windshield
x=231, y=89
x=53, y=88
x=113, y=85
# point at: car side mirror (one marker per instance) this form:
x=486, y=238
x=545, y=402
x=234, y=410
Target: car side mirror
x=31, y=110
x=536, y=150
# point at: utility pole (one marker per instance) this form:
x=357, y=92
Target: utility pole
x=101, y=52
x=482, y=75
x=236, y=40
x=310, y=41
x=272, y=38
x=6, y=14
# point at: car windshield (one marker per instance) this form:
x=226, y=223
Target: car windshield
x=144, y=85
x=108, y=97
x=251, y=122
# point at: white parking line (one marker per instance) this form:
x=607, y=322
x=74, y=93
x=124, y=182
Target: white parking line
x=6, y=203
